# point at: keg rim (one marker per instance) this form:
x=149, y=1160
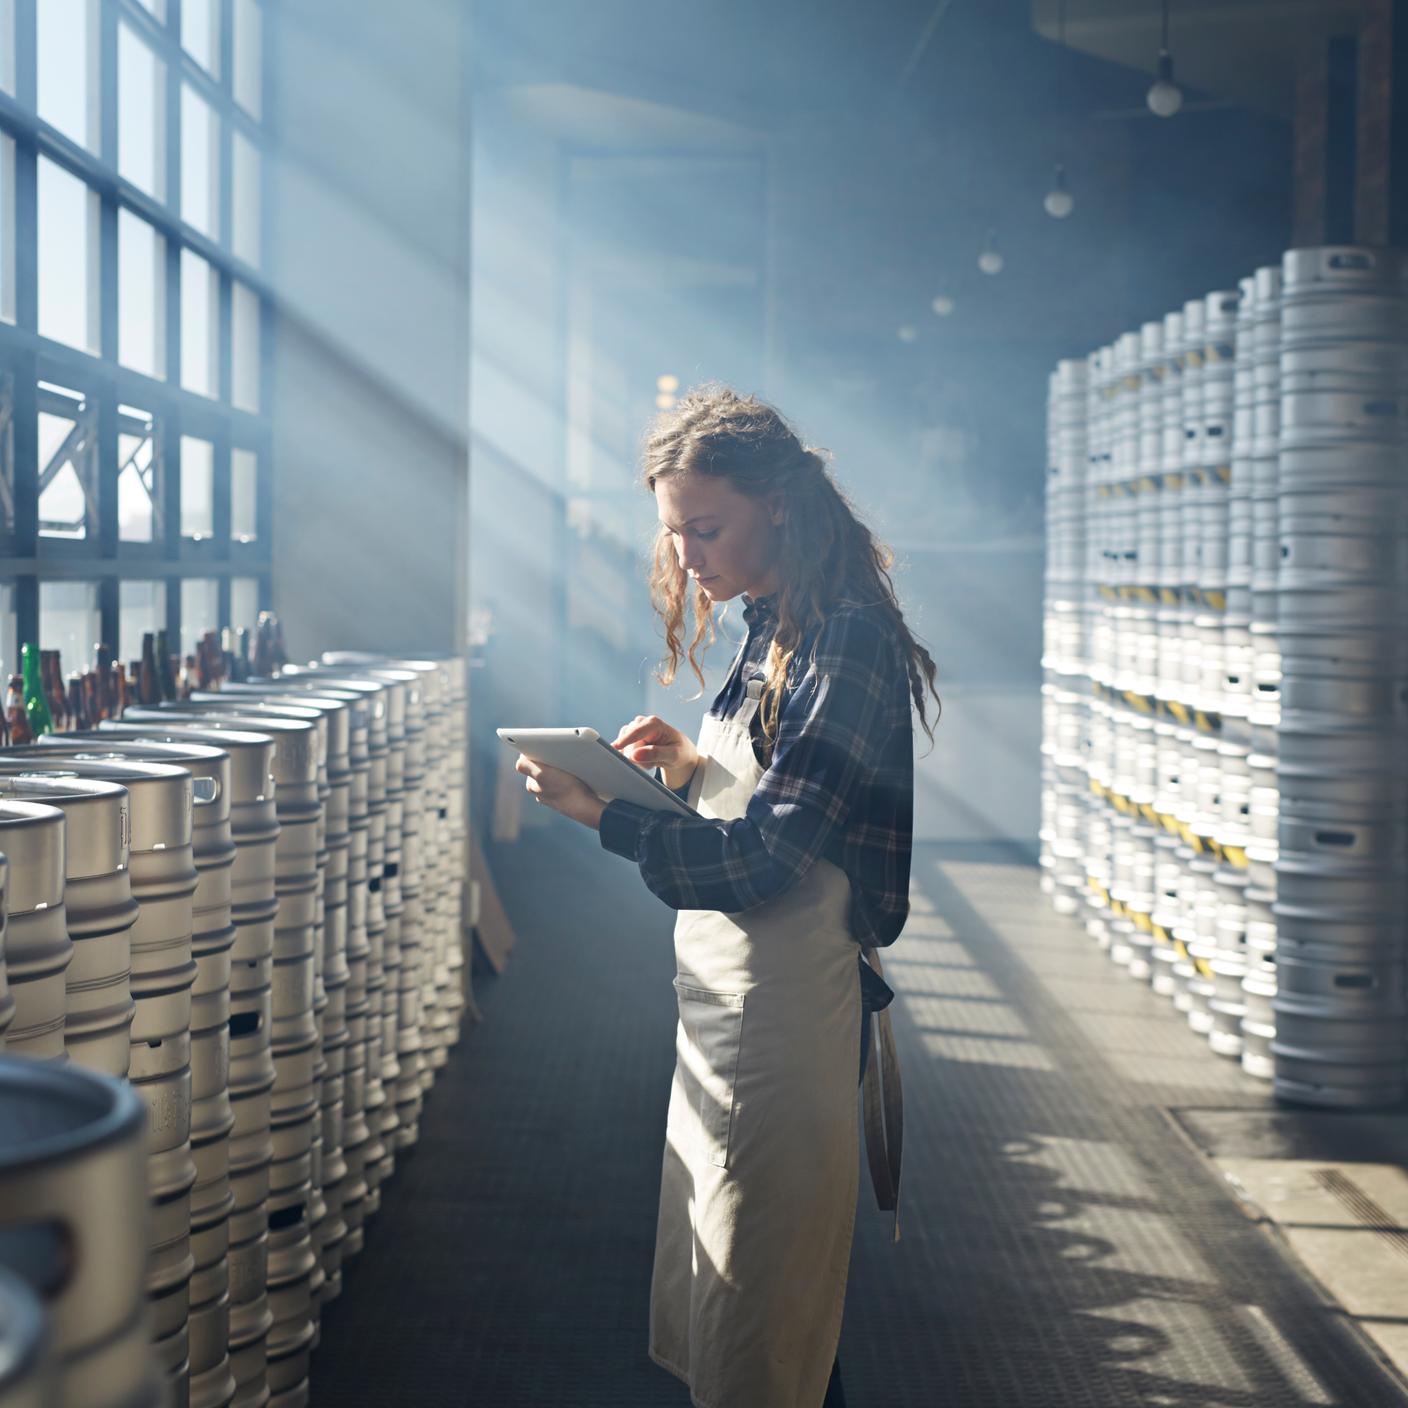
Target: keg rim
x=116, y=1108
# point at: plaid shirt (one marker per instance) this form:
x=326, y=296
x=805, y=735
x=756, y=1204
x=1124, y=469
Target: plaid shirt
x=840, y=784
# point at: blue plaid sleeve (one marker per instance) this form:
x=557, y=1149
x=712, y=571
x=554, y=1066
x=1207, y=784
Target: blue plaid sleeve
x=830, y=733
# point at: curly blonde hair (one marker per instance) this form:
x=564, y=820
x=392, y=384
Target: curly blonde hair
x=826, y=555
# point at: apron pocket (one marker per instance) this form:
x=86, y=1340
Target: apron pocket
x=711, y=1028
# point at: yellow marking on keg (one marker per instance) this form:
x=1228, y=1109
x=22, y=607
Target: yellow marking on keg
x=1149, y=484
x=1213, y=845
x=1224, y=473
x=1145, y=594
x=1196, y=475
x=1180, y=948
x=1173, y=481
x=1171, y=824
x=1215, y=599
x=1162, y=935
x=1097, y=788
x=1136, y=701
x=1131, y=382
x=1149, y=813
x=1178, y=710
x=1169, y=596
x=1193, y=359
x=1236, y=856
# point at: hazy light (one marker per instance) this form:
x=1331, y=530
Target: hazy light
x=990, y=261
x=942, y=305
x=667, y=383
x=907, y=332
x=664, y=401
x=1164, y=96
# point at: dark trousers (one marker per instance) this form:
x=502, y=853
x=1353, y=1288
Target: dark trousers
x=835, y=1395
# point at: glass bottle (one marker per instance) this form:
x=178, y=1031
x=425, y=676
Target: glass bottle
x=36, y=706
x=16, y=716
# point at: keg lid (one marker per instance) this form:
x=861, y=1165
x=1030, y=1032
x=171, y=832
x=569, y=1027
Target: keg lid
x=394, y=688
x=53, y=1112
x=360, y=704
x=295, y=740
x=251, y=754
x=209, y=766
x=334, y=726
x=24, y=1335
x=32, y=836
x=98, y=820
x=162, y=793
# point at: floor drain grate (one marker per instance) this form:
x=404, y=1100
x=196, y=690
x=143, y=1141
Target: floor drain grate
x=1369, y=1212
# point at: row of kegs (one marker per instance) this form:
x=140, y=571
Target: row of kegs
x=1225, y=701
x=243, y=912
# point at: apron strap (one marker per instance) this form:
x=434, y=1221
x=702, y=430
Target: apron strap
x=883, y=1101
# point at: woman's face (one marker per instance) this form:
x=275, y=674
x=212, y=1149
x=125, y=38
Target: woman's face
x=724, y=539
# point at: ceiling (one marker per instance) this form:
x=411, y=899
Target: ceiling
x=1242, y=51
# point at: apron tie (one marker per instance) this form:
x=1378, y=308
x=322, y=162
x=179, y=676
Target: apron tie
x=884, y=1109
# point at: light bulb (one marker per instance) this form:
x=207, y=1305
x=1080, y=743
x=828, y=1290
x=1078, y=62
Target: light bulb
x=1059, y=201
x=942, y=305
x=1164, y=96
x=907, y=332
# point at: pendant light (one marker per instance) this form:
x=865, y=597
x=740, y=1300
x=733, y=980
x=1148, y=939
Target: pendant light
x=990, y=260
x=1059, y=202
x=1164, y=96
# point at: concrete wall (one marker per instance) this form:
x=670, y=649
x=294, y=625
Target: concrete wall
x=369, y=186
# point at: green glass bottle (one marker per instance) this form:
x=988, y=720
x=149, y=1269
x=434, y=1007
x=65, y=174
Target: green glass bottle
x=36, y=705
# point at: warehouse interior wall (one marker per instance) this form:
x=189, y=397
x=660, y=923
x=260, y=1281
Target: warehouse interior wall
x=370, y=263
x=849, y=193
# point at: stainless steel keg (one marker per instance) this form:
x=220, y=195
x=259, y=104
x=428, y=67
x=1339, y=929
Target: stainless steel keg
x=38, y=949
x=254, y=830
x=7, y=1002
x=294, y=1272
x=74, y=1224
x=100, y=913
x=163, y=883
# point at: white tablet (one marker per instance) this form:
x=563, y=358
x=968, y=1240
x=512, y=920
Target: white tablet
x=587, y=755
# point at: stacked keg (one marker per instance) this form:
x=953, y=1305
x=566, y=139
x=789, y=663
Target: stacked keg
x=1246, y=742
x=1064, y=665
x=99, y=912
x=74, y=1178
x=163, y=971
x=212, y=1115
x=244, y=852
x=294, y=1271
x=38, y=949
x=254, y=831
x=1342, y=762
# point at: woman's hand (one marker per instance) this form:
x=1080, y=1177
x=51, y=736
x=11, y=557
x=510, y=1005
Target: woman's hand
x=562, y=792
x=652, y=743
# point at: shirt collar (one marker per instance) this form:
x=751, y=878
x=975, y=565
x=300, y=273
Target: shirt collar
x=759, y=608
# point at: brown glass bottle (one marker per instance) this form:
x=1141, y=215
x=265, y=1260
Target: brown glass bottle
x=148, y=681
x=51, y=673
x=121, y=695
x=16, y=720
x=75, y=706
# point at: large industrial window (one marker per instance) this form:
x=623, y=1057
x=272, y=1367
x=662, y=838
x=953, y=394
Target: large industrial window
x=134, y=389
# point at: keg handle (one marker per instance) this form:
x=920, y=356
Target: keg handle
x=205, y=790
x=1350, y=261
x=41, y=1253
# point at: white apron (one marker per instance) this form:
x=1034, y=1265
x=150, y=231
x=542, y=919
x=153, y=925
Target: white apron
x=761, y=1165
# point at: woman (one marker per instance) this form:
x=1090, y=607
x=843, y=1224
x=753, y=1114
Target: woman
x=798, y=860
